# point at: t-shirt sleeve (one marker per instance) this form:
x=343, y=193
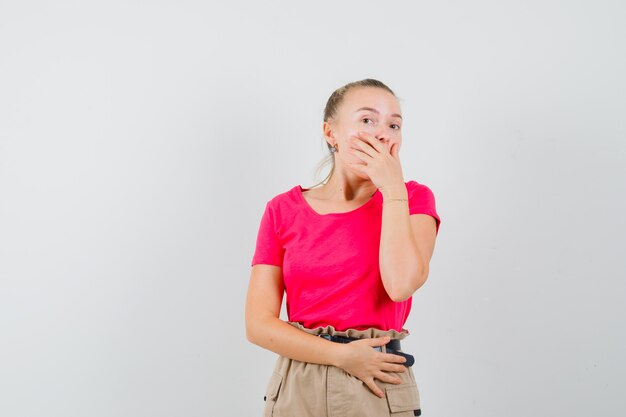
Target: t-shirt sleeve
x=422, y=201
x=269, y=250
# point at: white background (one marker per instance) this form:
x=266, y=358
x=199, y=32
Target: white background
x=139, y=142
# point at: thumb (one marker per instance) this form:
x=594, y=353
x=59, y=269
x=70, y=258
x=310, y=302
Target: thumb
x=394, y=150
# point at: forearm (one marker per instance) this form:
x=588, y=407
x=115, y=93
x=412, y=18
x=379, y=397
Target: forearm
x=402, y=267
x=284, y=339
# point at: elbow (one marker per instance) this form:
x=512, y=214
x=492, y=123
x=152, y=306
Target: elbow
x=255, y=328
x=400, y=297
x=402, y=294
x=251, y=330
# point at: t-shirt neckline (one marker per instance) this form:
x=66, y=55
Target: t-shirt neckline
x=299, y=189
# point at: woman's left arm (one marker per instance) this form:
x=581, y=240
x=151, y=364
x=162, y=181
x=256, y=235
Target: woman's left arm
x=407, y=243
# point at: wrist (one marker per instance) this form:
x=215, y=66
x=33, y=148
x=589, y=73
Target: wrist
x=337, y=354
x=394, y=192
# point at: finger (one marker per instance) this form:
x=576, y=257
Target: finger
x=389, y=378
x=363, y=136
x=358, y=167
x=371, y=140
x=390, y=357
x=374, y=387
x=361, y=146
x=394, y=150
x=392, y=367
x=362, y=155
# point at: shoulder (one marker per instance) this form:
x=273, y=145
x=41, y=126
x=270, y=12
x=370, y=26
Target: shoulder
x=282, y=209
x=422, y=201
x=285, y=197
x=284, y=202
x=417, y=190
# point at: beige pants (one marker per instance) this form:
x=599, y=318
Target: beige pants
x=303, y=389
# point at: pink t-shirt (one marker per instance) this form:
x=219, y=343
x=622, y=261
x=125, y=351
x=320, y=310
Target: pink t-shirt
x=330, y=261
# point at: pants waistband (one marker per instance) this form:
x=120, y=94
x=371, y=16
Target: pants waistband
x=353, y=333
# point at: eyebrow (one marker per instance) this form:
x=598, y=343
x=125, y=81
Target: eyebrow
x=376, y=111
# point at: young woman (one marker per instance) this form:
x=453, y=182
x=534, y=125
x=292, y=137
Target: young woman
x=349, y=254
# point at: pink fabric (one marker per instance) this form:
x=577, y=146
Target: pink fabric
x=330, y=261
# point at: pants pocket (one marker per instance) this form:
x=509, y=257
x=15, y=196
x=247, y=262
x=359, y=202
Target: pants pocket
x=271, y=393
x=403, y=400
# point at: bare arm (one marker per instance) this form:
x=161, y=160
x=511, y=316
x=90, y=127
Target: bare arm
x=406, y=246
x=265, y=329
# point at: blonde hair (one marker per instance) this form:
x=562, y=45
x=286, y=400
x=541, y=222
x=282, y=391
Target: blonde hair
x=333, y=103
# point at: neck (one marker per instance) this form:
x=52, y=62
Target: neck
x=347, y=186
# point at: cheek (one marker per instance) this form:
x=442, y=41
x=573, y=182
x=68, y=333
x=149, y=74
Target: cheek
x=353, y=131
x=344, y=132
x=347, y=136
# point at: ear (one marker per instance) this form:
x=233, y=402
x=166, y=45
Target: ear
x=328, y=133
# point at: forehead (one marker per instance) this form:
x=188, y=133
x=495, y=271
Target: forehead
x=375, y=97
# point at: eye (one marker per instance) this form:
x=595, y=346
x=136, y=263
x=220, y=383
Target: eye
x=395, y=126
x=367, y=120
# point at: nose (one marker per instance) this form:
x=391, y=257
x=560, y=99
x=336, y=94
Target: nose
x=384, y=138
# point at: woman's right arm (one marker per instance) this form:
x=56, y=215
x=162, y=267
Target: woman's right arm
x=264, y=328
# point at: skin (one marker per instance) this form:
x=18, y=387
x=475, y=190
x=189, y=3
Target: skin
x=368, y=143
